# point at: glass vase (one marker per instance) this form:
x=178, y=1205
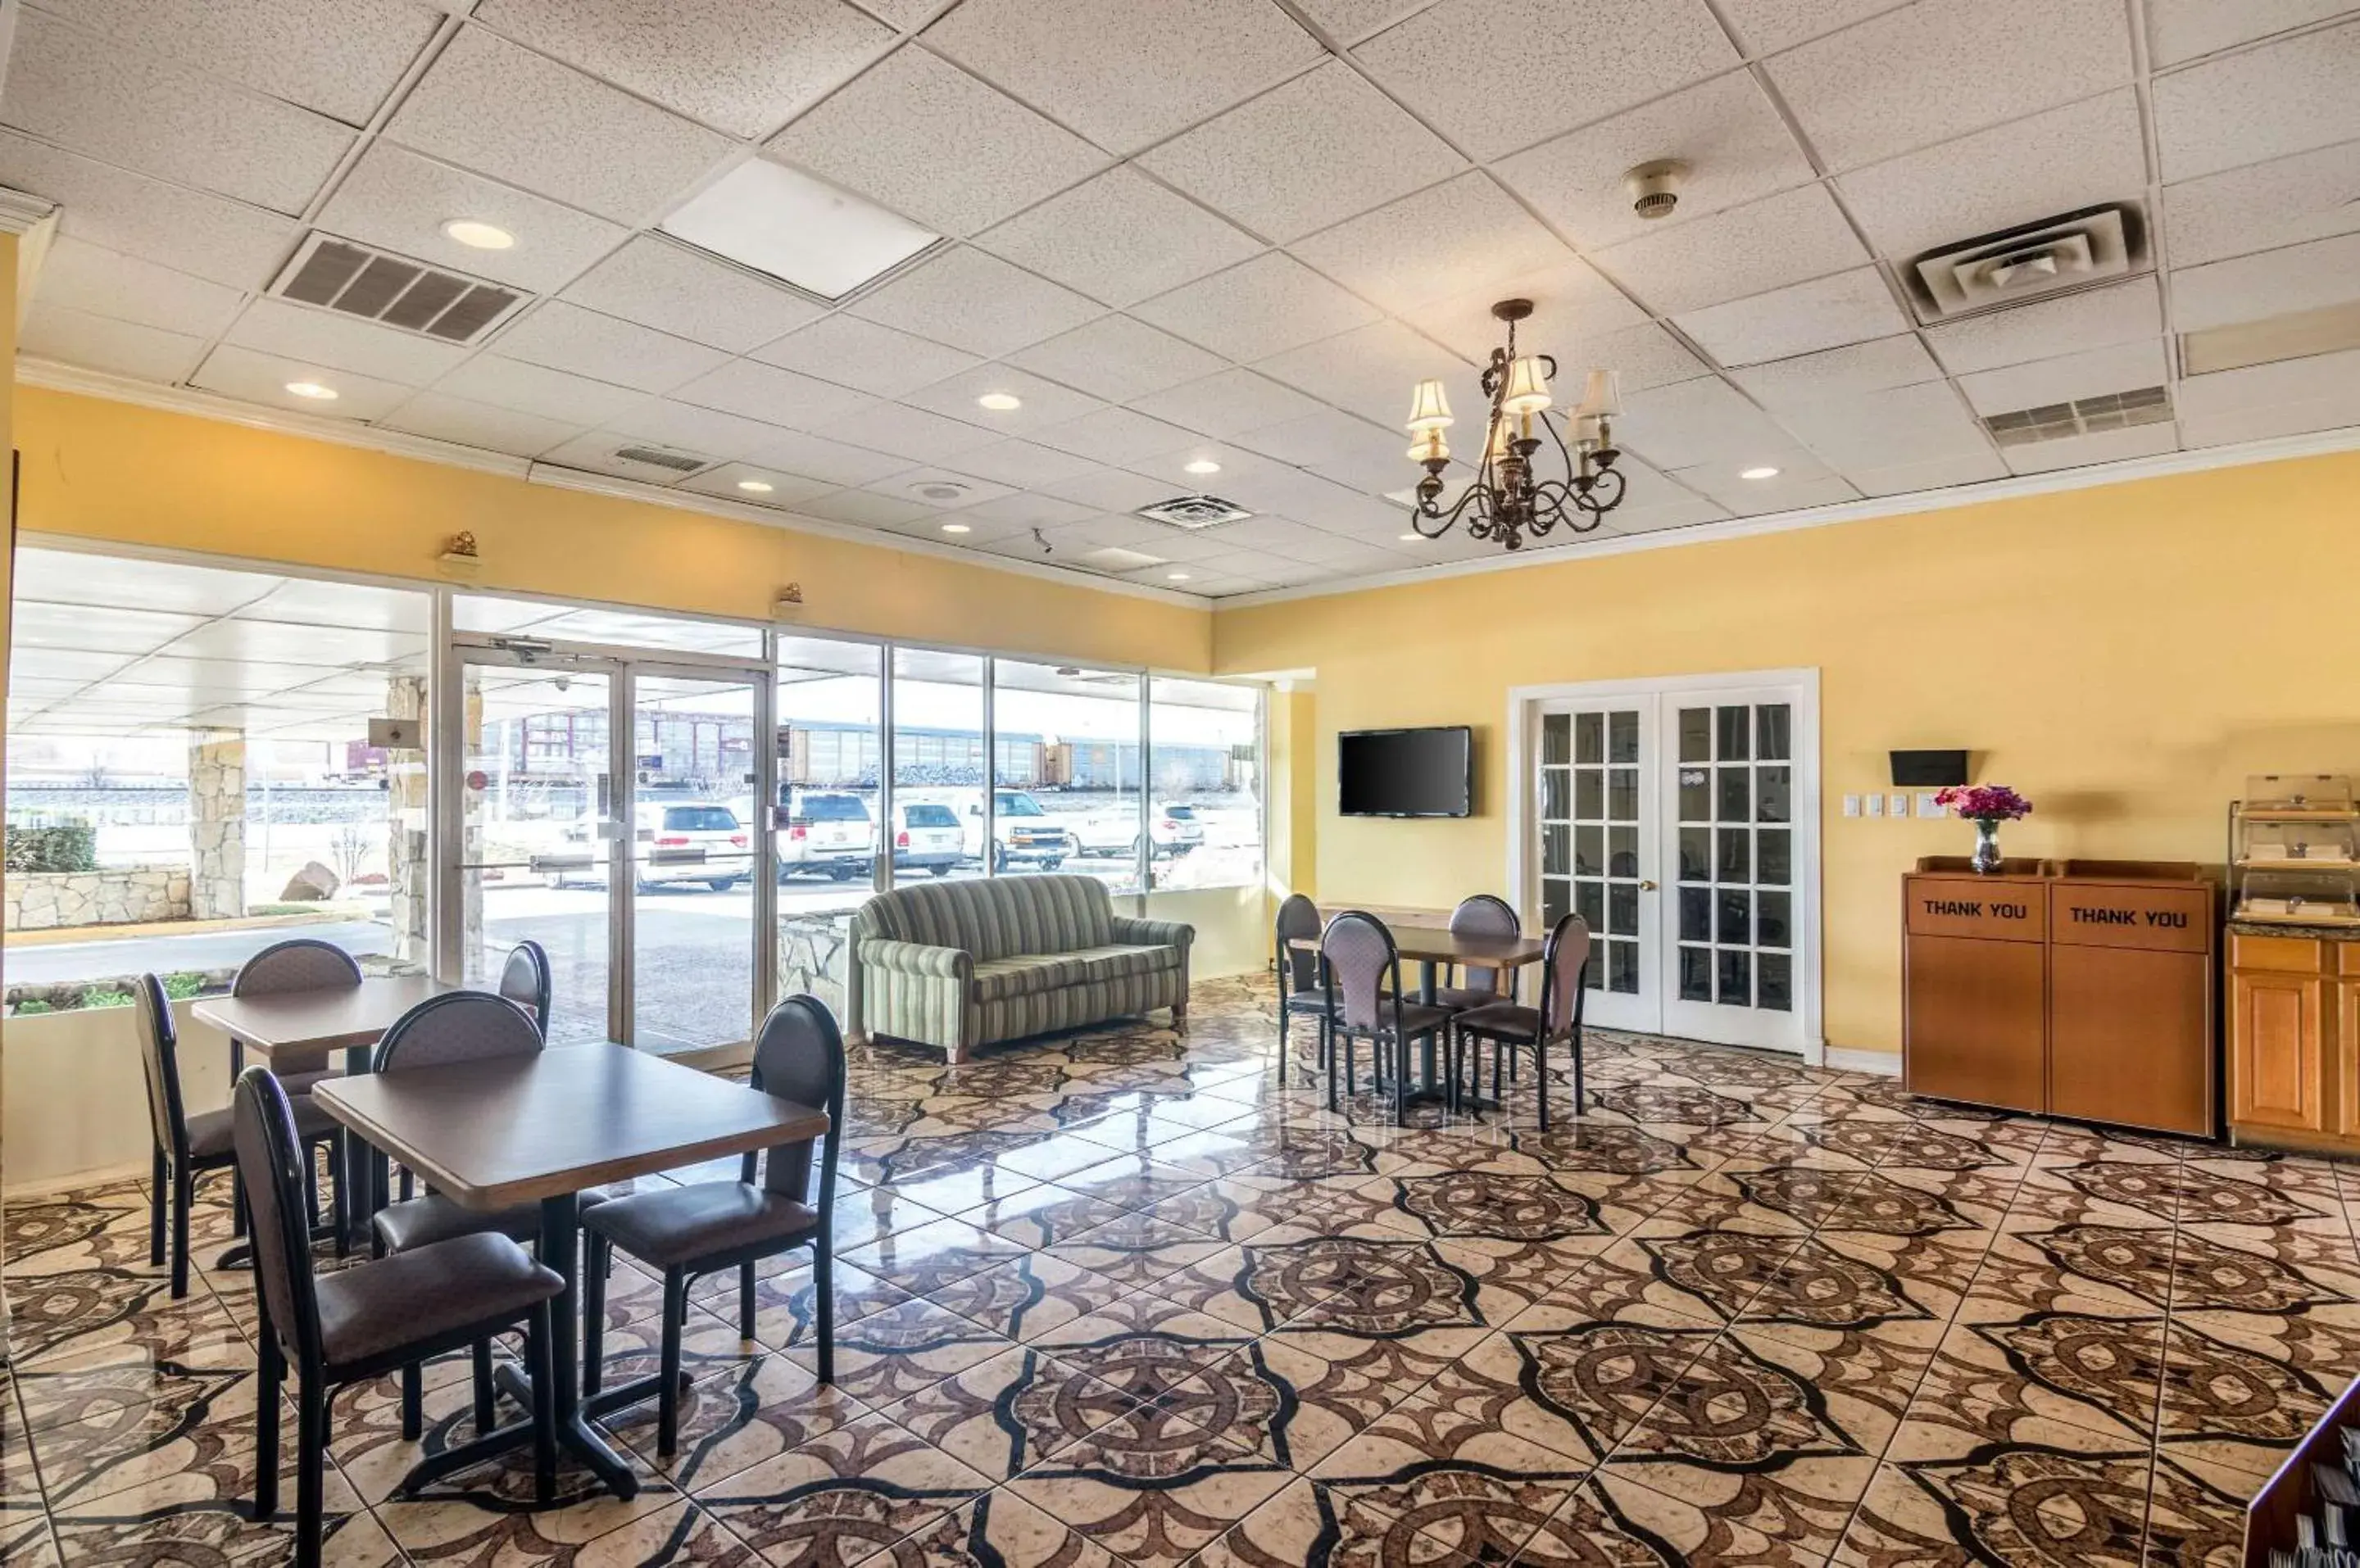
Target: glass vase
x=1986, y=859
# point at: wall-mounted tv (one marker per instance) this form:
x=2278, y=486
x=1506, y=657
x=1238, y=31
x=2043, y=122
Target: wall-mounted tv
x=1407, y=773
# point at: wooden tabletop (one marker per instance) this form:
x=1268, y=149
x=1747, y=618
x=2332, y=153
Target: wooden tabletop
x=1434, y=944
x=490, y=1134
x=312, y=1023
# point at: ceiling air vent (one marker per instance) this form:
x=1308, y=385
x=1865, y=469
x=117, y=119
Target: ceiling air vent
x=2029, y=262
x=2082, y=417
x=676, y=462
x=337, y=275
x=1194, y=512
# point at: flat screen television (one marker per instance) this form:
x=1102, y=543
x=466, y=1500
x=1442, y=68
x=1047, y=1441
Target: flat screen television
x=1407, y=773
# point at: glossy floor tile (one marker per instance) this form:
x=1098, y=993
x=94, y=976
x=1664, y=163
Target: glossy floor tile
x=1124, y=1297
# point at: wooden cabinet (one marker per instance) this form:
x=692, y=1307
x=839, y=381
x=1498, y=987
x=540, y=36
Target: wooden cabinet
x=2294, y=1036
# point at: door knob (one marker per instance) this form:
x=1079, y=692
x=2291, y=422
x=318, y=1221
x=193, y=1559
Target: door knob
x=1646, y=887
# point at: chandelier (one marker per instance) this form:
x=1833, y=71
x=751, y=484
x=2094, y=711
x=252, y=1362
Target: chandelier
x=1510, y=498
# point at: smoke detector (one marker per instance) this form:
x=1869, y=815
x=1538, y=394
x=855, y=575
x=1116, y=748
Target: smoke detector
x=1654, y=187
x=940, y=490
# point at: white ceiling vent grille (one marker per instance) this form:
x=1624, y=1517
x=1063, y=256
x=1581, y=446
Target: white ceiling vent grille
x=2031, y=262
x=678, y=463
x=2082, y=417
x=354, y=280
x=1194, y=512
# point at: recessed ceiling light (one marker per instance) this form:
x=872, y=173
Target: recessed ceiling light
x=1204, y=466
x=313, y=391
x=756, y=486
x=478, y=235
x=1412, y=538
x=999, y=402
x=1175, y=577
x=786, y=224
x=956, y=528
x=1764, y=473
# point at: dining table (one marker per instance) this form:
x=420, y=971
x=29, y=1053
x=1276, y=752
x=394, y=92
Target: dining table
x=1434, y=948
x=542, y=1129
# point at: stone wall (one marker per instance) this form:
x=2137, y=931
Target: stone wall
x=116, y=896
x=217, y=824
x=813, y=952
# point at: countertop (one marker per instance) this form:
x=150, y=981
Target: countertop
x=2294, y=929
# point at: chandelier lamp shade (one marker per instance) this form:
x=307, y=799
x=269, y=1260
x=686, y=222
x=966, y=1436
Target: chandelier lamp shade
x=1518, y=493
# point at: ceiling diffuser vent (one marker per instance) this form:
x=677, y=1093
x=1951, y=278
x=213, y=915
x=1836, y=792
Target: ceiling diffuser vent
x=354, y=280
x=2082, y=417
x=1194, y=512
x=2029, y=262
x=664, y=457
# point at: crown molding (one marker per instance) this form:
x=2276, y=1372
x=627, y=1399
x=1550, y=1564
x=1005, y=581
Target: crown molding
x=19, y=210
x=60, y=377
x=2276, y=449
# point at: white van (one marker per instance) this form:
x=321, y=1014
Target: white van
x=1024, y=835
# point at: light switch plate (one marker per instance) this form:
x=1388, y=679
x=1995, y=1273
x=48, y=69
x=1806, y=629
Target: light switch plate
x=1852, y=805
x=1926, y=807
x=1898, y=806
x=1876, y=804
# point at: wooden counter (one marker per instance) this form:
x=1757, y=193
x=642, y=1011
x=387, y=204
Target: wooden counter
x=2294, y=1036
x=2070, y=989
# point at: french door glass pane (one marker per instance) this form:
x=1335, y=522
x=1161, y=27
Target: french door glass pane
x=1591, y=812
x=1773, y=926
x=1589, y=852
x=1695, y=734
x=691, y=863
x=1774, y=731
x=1622, y=967
x=1590, y=738
x=1622, y=737
x=1623, y=852
x=1557, y=739
x=1695, y=974
x=1736, y=918
x=1695, y=914
x=1730, y=733
x=1772, y=792
x=1696, y=854
x=1736, y=988
x=1556, y=794
x=1777, y=854
x=1736, y=792
x=1775, y=973
x=1623, y=908
x=1589, y=794
x=1556, y=849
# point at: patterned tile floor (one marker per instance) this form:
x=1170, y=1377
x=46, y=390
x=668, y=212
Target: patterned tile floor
x=1125, y=1298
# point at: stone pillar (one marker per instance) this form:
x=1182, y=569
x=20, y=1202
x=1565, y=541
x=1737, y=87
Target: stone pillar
x=409, y=869
x=217, y=824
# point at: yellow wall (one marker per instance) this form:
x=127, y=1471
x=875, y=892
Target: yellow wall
x=2123, y=655
x=116, y=471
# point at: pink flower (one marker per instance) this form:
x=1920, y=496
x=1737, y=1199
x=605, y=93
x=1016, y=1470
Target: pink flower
x=1984, y=802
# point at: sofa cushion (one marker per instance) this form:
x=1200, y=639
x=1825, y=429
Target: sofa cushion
x=991, y=917
x=1000, y=978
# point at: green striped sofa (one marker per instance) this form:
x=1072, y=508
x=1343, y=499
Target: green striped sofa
x=960, y=965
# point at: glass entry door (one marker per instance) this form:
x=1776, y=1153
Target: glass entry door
x=1598, y=851
x=1732, y=927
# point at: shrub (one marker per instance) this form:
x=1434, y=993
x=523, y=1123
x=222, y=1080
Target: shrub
x=181, y=986
x=29, y=1007
x=98, y=996
x=60, y=846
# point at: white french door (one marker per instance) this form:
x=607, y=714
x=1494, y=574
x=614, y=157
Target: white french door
x=1679, y=820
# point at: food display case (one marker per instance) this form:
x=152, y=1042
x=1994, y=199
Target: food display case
x=2294, y=851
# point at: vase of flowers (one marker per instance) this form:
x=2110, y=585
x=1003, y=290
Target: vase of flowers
x=1986, y=806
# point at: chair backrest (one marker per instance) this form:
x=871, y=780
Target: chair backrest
x=457, y=1025
x=160, y=1055
x=1362, y=966
x=799, y=1056
x=303, y=963
x=1562, y=961
x=1484, y=915
x=995, y=917
x=524, y=980
x=1298, y=968
x=270, y=1168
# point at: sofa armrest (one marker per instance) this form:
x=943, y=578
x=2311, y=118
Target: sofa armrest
x=1137, y=932
x=916, y=958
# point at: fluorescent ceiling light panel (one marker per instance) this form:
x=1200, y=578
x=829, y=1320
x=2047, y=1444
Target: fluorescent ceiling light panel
x=797, y=229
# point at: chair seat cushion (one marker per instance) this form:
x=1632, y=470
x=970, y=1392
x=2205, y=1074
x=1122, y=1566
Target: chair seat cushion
x=299, y=1085
x=422, y=1221
x=1027, y=974
x=1460, y=998
x=372, y=1312
x=210, y=1138
x=1507, y=1019
x=1417, y=1018
x=676, y=1227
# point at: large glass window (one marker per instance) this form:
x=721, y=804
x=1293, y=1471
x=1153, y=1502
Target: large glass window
x=829, y=818
x=1067, y=776
x=1204, y=794
x=938, y=757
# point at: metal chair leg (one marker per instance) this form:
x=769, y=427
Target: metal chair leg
x=594, y=1314
x=675, y=1291
x=311, y=1465
x=541, y=1359
x=184, y=1200
x=486, y=1397
x=158, y=1209
x=271, y=1376
x=745, y=1300
x=824, y=1304
x=413, y=1402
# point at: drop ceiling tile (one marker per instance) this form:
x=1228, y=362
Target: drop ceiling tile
x=906, y=431
x=340, y=60
x=773, y=396
x=1935, y=473
x=87, y=92
x=532, y=389
x=705, y=430
x=740, y=66
x=1121, y=532
x=85, y=629
x=785, y=489
x=854, y=353
x=1695, y=422
x=469, y=423
x=82, y=277
x=1738, y=253
x=1235, y=465
x=961, y=530
x=1114, y=436
x=564, y=336
x=2296, y=277
x=820, y=458
x=673, y=289
x=2321, y=378
x=1496, y=75
x=102, y=343
x=1111, y=490
x=1120, y=238
x=2305, y=196
x=931, y=488
x=2284, y=97
x=976, y=302
x=344, y=342
x=1312, y=153
x=922, y=136
x=1895, y=82
x=1024, y=463
x=1678, y=511
x=1369, y=371
x=1827, y=312
x=1118, y=358
x=264, y=378
x=2094, y=318
x=2092, y=373
x=864, y=508
x=2269, y=421
x=1837, y=374
x=1264, y=306
x=1572, y=302
x=1923, y=423
x=2080, y=452
x=1801, y=481
x=1330, y=436
x=1349, y=21
x=190, y=231
x=2182, y=29
x=398, y=200
x=1308, y=498
x=1465, y=234
x=489, y=105
x=1029, y=511
x=1765, y=26
x=1126, y=73
x=1044, y=402
x=1227, y=404
x=1736, y=147
x=2019, y=172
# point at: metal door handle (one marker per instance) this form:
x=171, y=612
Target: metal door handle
x=1646, y=887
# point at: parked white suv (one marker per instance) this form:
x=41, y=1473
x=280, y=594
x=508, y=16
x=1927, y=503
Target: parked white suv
x=673, y=843
x=1172, y=827
x=927, y=837
x=828, y=832
x=1023, y=833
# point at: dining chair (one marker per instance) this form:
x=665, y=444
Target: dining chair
x=187, y=1146
x=1300, y=992
x=298, y=964
x=1481, y=915
x=1512, y=1028
x=707, y=1226
x=525, y=980
x=1363, y=979
x=360, y=1323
